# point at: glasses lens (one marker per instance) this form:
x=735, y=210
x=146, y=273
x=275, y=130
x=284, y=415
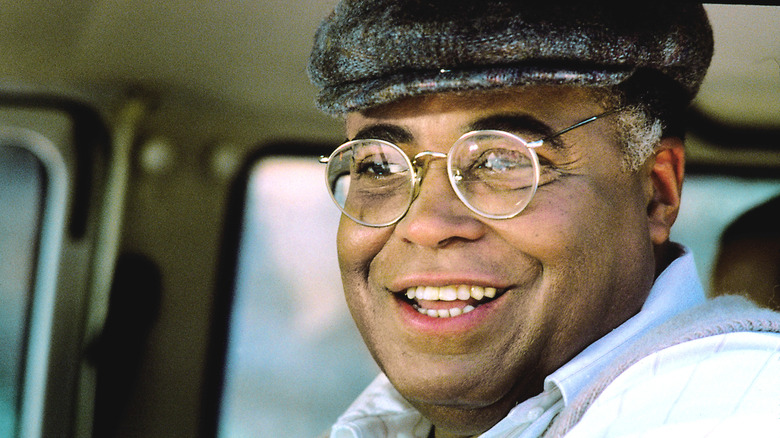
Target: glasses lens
x=494, y=173
x=371, y=181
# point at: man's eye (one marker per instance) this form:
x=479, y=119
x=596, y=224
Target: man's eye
x=502, y=161
x=377, y=168
x=497, y=162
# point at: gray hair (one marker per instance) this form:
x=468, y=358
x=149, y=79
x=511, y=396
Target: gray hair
x=638, y=134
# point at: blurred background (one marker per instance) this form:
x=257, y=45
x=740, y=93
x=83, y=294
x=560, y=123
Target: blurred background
x=196, y=292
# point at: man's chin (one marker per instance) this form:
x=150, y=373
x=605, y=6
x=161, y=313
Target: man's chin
x=456, y=388
x=463, y=420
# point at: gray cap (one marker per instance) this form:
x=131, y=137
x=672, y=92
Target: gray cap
x=371, y=52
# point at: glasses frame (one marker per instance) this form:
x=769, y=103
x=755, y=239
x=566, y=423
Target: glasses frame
x=418, y=167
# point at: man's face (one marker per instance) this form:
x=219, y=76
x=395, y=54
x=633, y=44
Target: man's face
x=574, y=264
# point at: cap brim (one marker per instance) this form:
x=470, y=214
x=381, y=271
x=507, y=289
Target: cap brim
x=358, y=96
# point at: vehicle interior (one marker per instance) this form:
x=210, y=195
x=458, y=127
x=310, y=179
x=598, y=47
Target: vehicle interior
x=167, y=243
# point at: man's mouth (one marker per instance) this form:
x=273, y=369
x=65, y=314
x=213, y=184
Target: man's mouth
x=448, y=301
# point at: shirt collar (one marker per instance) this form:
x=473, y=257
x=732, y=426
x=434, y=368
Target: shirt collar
x=377, y=410
x=677, y=289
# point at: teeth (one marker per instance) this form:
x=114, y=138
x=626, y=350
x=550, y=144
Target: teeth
x=464, y=292
x=444, y=313
x=450, y=293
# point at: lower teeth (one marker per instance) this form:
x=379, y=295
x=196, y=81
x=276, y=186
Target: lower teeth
x=444, y=313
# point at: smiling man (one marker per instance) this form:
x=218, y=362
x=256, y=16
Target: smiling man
x=508, y=187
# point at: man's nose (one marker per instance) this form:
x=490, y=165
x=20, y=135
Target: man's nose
x=437, y=216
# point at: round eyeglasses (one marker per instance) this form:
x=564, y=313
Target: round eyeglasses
x=494, y=173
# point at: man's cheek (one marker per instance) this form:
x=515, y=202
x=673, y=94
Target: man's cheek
x=358, y=245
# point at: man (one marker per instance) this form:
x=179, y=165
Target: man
x=748, y=260
x=510, y=179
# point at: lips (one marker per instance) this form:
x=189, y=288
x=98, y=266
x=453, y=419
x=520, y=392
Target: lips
x=448, y=301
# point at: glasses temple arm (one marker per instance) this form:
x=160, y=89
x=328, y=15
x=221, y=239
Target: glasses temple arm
x=539, y=142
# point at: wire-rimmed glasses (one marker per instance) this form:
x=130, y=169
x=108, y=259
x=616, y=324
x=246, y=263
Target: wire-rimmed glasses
x=494, y=173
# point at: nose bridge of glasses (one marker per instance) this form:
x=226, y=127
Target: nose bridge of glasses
x=422, y=160
x=421, y=163
x=425, y=156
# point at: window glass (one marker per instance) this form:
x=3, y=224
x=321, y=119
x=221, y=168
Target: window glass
x=709, y=204
x=295, y=360
x=21, y=198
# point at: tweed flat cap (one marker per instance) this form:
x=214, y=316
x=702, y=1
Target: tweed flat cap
x=371, y=52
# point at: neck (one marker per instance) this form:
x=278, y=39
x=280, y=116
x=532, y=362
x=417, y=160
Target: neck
x=665, y=254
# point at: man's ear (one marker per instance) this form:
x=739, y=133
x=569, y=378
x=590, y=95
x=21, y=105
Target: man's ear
x=666, y=174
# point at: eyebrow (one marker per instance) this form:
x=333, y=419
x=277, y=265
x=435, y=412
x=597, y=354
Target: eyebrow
x=391, y=133
x=518, y=124
x=514, y=123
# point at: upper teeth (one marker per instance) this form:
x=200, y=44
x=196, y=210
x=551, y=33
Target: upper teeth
x=450, y=293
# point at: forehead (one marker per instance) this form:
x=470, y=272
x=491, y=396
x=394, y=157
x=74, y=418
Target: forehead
x=548, y=103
